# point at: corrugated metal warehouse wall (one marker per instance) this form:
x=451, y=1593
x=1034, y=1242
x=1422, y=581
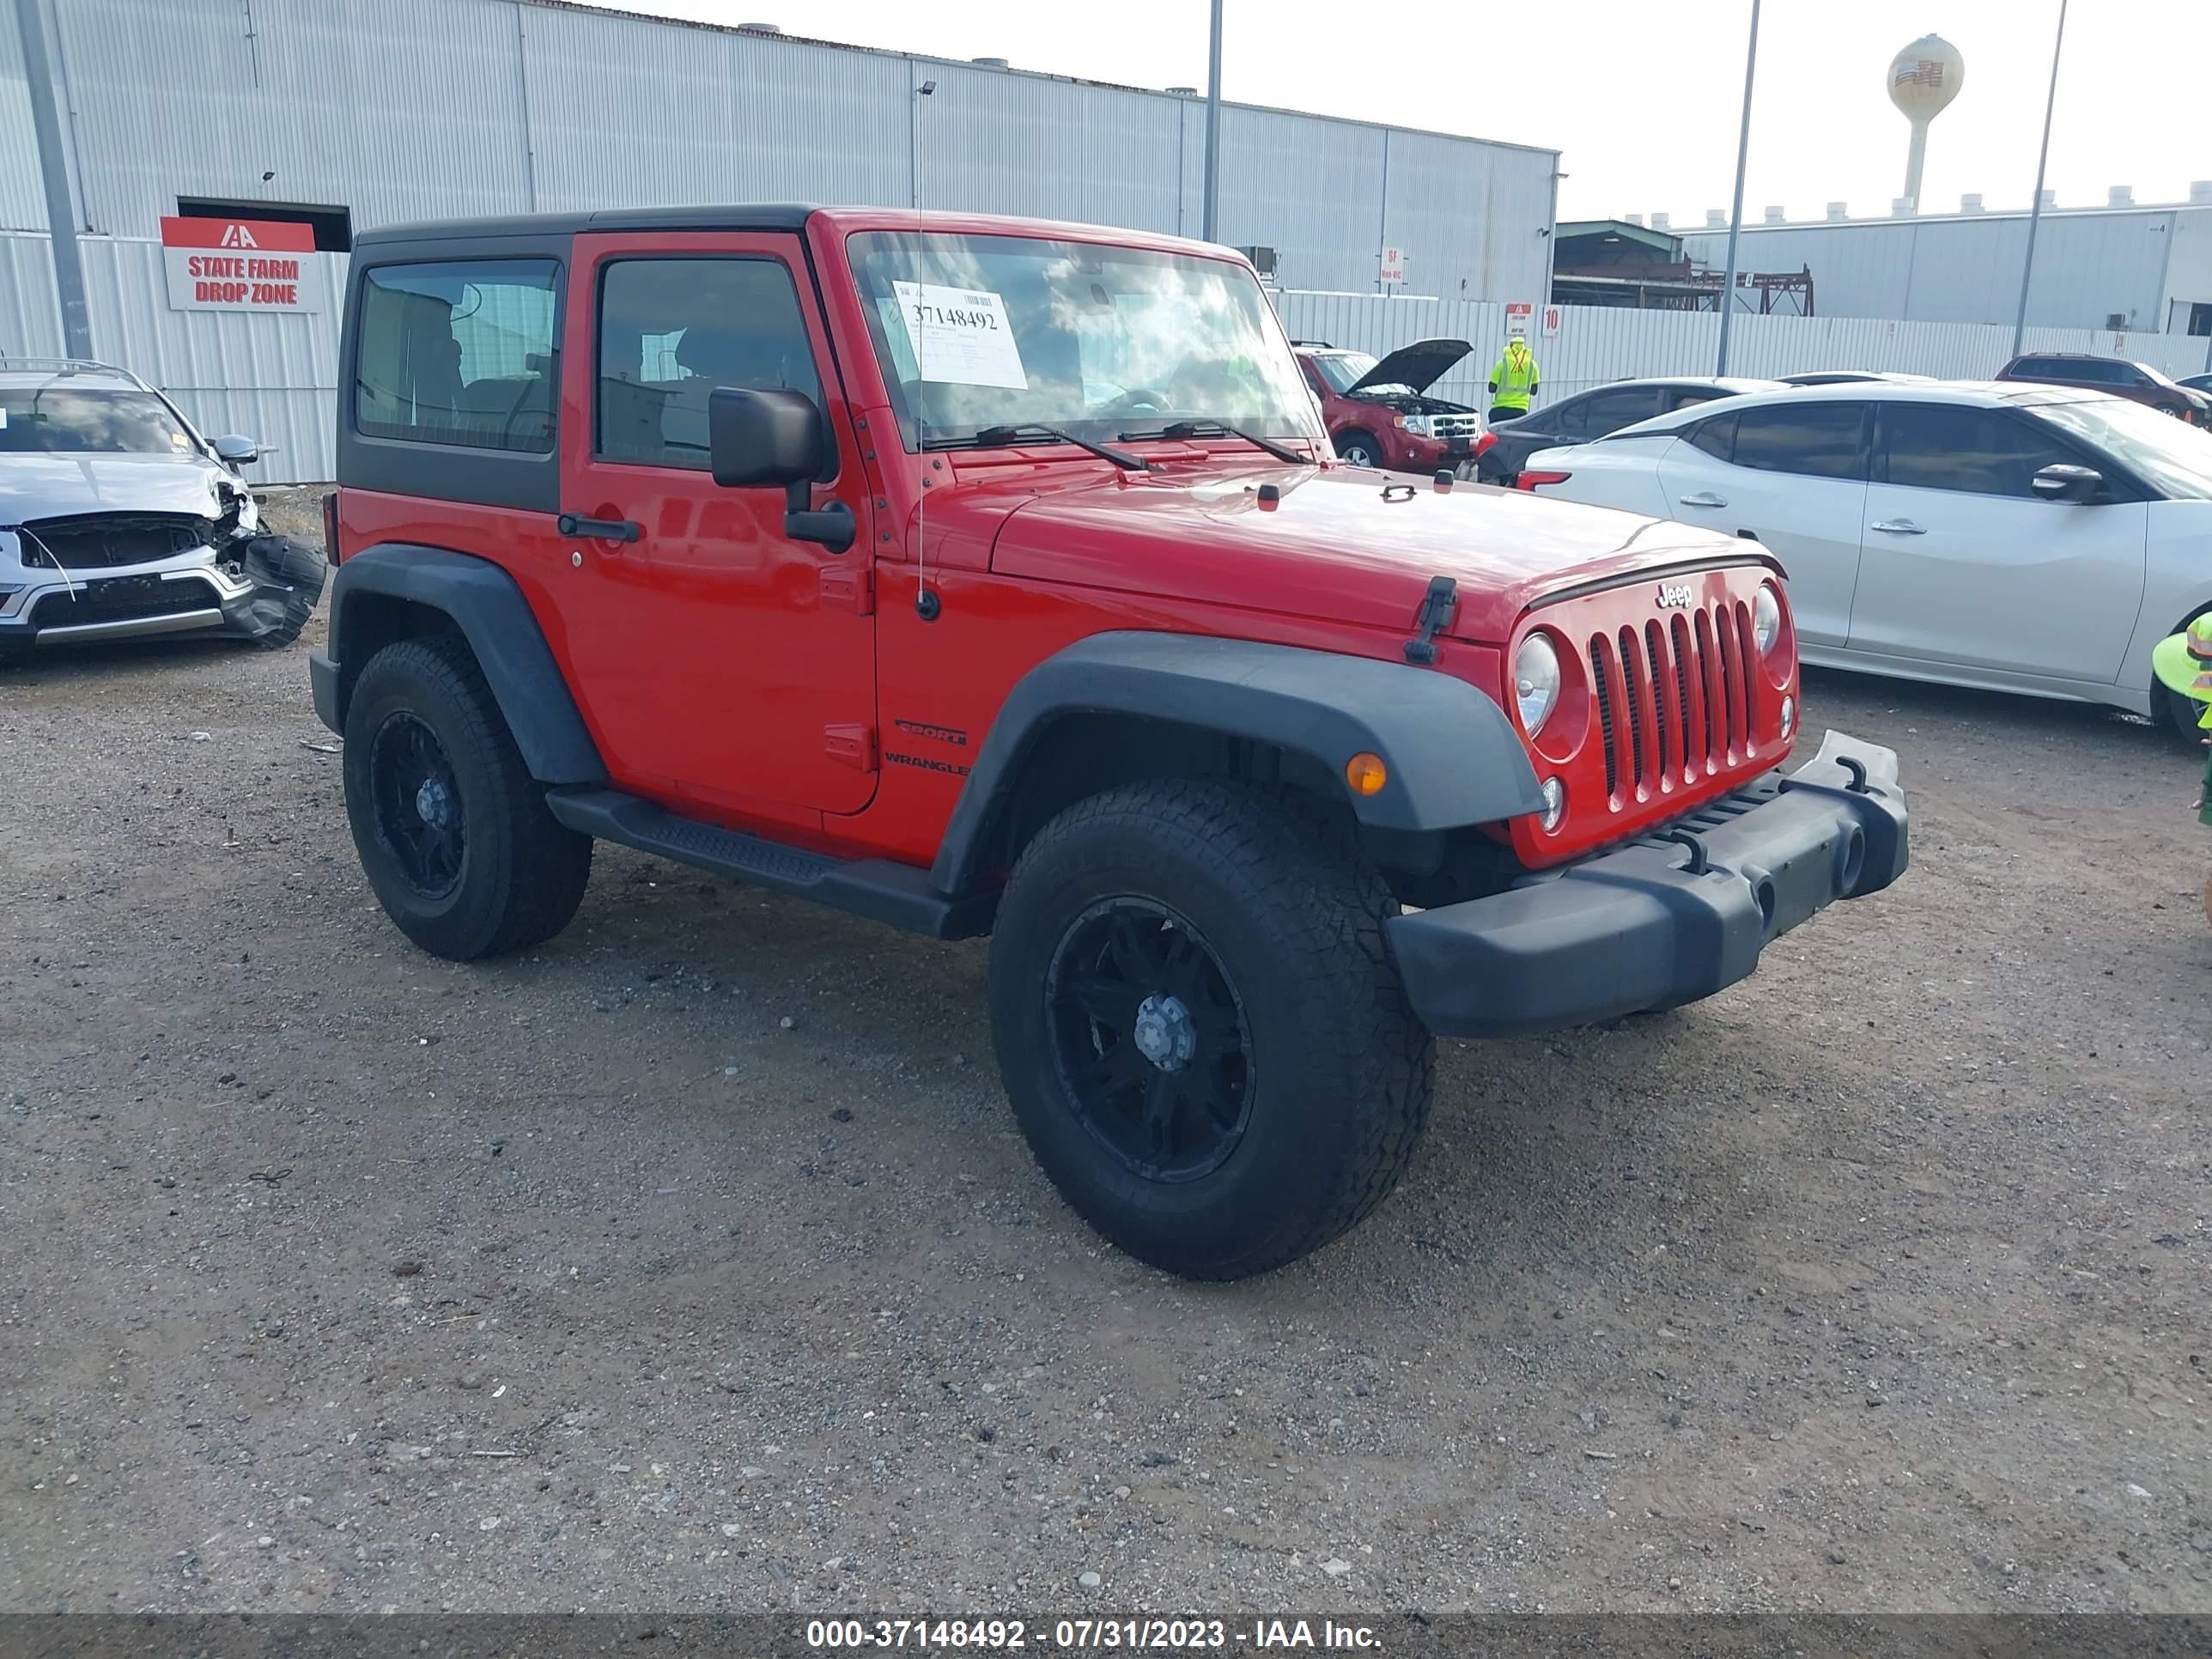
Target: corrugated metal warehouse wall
x=424, y=109
x=2142, y=264
x=415, y=109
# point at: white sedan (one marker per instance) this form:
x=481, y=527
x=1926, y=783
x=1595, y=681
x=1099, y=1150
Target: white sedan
x=2016, y=538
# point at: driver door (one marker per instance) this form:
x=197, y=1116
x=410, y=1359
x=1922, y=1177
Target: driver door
x=738, y=665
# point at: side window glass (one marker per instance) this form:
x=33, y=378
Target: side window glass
x=1813, y=441
x=459, y=352
x=1571, y=416
x=1609, y=411
x=1981, y=451
x=1689, y=398
x=671, y=330
x=1716, y=437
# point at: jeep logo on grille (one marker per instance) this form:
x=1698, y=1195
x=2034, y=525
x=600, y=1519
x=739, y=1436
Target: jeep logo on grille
x=1675, y=596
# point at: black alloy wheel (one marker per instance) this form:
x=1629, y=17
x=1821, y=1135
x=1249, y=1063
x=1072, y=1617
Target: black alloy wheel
x=1151, y=1039
x=417, y=804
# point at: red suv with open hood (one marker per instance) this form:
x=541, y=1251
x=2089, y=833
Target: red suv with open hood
x=990, y=576
x=1379, y=413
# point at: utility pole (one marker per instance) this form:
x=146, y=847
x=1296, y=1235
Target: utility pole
x=2035, y=207
x=1214, y=130
x=53, y=168
x=1735, y=218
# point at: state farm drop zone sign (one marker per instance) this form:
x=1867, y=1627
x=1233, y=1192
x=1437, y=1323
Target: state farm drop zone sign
x=240, y=265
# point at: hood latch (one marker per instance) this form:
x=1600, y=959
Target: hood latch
x=1437, y=607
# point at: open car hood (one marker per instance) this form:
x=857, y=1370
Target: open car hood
x=1418, y=366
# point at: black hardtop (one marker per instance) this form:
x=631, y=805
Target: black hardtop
x=781, y=215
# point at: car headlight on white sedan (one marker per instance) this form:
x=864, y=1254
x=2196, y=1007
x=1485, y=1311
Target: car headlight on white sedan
x=1766, y=618
x=1535, y=682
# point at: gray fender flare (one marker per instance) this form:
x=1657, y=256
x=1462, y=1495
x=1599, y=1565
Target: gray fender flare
x=488, y=607
x=1453, y=756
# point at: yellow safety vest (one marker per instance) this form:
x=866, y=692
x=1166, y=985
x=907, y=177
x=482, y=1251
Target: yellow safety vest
x=1514, y=379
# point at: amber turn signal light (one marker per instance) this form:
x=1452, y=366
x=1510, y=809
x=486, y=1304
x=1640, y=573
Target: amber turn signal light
x=1366, y=773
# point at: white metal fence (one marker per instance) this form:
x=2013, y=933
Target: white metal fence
x=275, y=378
x=1598, y=343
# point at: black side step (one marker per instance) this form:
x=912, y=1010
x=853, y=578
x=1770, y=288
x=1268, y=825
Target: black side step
x=875, y=887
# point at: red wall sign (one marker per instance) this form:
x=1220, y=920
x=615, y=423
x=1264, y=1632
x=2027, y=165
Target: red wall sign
x=240, y=265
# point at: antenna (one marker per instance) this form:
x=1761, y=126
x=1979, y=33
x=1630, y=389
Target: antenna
x=926, y=604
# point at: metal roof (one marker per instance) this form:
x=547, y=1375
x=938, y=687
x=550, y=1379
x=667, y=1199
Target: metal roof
x=1619, y=230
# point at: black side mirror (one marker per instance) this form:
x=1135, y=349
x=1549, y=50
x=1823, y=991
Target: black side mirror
x=2062, y=482
x=763, y=440
x=235, y=450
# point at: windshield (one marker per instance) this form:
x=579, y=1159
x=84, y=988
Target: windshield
x=980, y=331
x=62, y=419
x=2172, y=456
x=1344, y=370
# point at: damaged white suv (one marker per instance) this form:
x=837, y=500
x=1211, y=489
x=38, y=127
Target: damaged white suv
x=118, y=520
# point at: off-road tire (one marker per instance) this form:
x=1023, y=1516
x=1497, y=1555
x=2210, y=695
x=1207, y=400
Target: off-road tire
x=1358, y=449
x=289, y=578
x=522, y=873
x=1340, y=1067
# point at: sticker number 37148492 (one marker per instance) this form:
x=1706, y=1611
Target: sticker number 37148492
x=961, y=335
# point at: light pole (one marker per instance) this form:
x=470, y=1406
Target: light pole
x=1213, y=128
x=2042, y=160
x=53, y=173
x=1736, y=218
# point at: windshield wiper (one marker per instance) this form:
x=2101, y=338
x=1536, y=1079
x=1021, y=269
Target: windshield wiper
x=1222, y=429
x=995, y=437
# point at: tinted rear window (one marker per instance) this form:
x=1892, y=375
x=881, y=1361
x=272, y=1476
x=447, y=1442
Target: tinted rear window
x=1813, y=441
x=1716, y=437
x=459, y=352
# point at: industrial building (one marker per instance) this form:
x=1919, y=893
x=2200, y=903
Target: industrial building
x=2139, y=268
x=364, y=113
x=332, y=116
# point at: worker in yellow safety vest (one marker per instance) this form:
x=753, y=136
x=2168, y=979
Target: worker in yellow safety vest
x=1513, y=382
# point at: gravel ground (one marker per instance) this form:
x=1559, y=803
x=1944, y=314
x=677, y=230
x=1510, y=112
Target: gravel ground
x=693, y=1263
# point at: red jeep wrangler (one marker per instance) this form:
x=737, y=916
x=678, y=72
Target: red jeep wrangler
x=993, y=576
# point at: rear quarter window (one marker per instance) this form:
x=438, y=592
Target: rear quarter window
x=459, y=352
x=1811, y=440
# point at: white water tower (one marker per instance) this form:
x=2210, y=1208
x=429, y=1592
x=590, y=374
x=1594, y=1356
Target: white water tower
x=1923, y=79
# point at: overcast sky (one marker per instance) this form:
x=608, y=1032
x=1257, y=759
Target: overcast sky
x=1642, y=97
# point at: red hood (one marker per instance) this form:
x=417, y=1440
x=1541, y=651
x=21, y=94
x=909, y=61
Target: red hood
x=1333, y=547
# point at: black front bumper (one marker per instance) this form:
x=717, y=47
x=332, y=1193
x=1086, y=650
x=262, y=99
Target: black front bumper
x=1668, y=919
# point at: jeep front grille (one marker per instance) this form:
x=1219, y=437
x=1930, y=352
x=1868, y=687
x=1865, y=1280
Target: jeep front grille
x=1674, y=697
x=88, y=541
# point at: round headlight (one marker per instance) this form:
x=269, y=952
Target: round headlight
x=1766, y=618
x=1535, y=682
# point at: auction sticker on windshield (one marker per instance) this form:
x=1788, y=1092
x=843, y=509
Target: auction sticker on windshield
x=961, y=335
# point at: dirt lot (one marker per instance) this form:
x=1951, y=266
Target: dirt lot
x=693, y=1263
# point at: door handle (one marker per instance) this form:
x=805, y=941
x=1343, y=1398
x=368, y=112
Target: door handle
x=1704, y=498
x=600, y=530
x=1897, y=527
